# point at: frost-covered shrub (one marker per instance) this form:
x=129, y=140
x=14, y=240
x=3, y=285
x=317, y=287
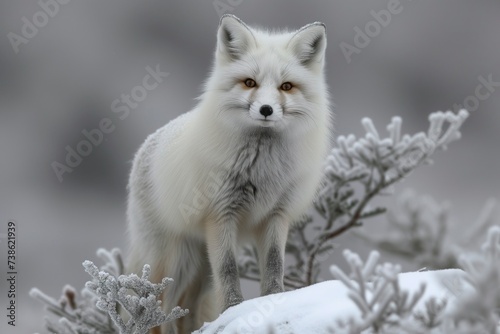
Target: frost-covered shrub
x=375, y=290
x=357, y=170
x=418, y=230
x=97, y=311
x=481, y=308
x=385, y=308
x=73, y=314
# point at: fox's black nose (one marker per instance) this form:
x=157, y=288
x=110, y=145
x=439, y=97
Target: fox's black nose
x=266, y=110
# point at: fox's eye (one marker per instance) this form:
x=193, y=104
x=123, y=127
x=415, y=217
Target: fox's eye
x=286, y=86
x=250, y=83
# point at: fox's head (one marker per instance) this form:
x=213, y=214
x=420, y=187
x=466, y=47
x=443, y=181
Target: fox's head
x=272, y=80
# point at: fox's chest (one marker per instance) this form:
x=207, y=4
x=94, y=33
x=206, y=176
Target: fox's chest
x=258, y=177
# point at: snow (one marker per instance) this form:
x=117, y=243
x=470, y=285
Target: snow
x=316, y=309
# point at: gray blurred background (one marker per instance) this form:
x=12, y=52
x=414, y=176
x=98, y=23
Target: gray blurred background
x=64, y=79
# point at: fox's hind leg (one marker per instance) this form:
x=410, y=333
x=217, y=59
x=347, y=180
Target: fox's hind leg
x=183, y=262
x=138, y=257
x=175, y=257
x=195, y=296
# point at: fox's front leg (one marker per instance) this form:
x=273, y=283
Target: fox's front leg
x=271, y=239
x=221, y=244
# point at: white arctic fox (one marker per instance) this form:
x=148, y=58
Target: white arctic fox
x=244, y=164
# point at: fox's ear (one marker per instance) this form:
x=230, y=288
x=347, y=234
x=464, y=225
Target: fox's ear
x=234, y=38
x=309, y=43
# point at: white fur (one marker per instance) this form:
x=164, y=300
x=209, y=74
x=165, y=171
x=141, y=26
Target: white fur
x=186, y=202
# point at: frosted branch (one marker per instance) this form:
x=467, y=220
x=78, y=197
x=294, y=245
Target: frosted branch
x=96, y=312
x=374, y=289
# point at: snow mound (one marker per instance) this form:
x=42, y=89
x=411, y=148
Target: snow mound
x=316, y=309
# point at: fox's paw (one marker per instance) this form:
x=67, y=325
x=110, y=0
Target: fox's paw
x=233, y=302
x=272, y=288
